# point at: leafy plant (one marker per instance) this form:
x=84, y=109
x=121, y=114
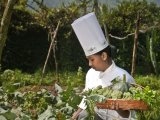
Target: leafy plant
x=133, y=92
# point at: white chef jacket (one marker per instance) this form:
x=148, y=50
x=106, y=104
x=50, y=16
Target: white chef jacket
x=95, y=78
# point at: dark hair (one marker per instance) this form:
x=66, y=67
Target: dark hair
x=107, y=50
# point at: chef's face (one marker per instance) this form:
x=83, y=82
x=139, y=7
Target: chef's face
x=97, y=62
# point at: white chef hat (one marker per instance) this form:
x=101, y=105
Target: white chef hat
x=89, y=34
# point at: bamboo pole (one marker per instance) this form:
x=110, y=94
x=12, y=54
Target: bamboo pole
x=49, y=50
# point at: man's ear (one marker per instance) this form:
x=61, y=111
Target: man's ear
x=104, y=56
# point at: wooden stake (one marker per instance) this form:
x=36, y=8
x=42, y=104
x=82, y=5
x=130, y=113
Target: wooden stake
x=49, y=50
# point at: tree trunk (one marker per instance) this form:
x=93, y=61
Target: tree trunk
x=2, y=7
x=5, y=24
x=134, y=55
x=85, y=7
x=152, y=54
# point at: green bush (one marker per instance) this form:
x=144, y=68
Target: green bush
x=22, y=96
x=154, y=83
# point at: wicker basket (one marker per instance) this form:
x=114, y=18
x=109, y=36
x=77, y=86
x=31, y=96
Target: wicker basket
x=121, y=104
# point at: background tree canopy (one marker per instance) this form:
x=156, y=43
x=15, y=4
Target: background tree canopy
x=29, y=35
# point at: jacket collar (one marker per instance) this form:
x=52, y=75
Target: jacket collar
x=108, y=70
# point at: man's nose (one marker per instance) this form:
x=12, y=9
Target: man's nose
x=90, y=64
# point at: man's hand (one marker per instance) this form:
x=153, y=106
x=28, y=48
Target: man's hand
x=76, y=113
x=74, y=116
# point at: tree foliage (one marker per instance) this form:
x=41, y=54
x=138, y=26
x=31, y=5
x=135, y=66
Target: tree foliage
x=28, y=40
x=122, y=21
x=26, y=46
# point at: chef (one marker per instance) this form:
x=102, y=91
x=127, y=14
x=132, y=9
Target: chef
x=103, y=69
